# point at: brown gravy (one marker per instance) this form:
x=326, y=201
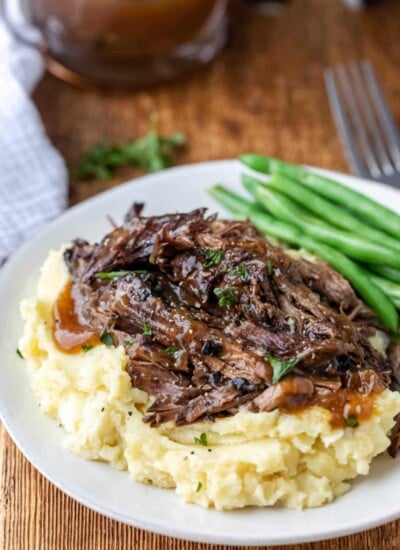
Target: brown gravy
x=69, y=334
x=342, y=404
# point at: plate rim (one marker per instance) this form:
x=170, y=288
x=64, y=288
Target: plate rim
x=83, y=499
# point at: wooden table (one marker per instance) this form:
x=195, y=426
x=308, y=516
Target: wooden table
x=264, y=93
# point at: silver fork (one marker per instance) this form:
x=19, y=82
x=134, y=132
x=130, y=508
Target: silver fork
x=364, y=122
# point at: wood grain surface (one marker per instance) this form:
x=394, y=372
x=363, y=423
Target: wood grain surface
x=265, y=93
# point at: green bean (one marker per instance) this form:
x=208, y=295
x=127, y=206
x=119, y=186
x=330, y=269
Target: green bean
x=251, y=184
x=263, y=221
x=266, y=165
x=272, y=227
x=386, y=272
x=329, y=211
x=368, y=291
x=390, y=289
x=234, y=203
x=373, y=212
x=351, y=245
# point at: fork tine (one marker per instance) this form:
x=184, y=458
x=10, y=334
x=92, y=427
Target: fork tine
x=369, y=116
x=343, y=126
x=358, y=123
x=389, y=126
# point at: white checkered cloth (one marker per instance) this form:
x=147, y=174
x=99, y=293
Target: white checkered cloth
x=33, y=176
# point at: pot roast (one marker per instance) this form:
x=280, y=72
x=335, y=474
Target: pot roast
x=214, y=317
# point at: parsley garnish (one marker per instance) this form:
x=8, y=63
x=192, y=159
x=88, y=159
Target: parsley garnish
x=171, y=350
x=281, y=368
x=147, y=330
x=18, y=352
x=129, y=342
x=240, y=271
x=86, y=348
x=226, y=296
x=202, y=440
x=268, y=265
x=352, y=421
x=106, y=338
x=213, y=257
x=151, y=153
x=199, y=487
x=107, y=275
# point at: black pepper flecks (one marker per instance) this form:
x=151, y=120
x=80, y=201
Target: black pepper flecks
x=211, y=347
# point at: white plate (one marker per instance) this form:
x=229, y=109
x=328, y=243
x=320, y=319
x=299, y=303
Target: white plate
x=372, y=501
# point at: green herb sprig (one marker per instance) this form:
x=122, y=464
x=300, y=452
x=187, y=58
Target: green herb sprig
x=129, y=343
x=171, y=350
x=352, y=421
x=240, y=271
x=281, y=368
x=152, y=153
x=147, y=330
x=226, y=297
x=213, y=257
x=106, y=338
x=109, y=275
x=202, y=440
x=86, y=348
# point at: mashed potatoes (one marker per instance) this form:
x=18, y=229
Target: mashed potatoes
x=257, y=459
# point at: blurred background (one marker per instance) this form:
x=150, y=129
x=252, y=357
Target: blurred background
x=232, y=76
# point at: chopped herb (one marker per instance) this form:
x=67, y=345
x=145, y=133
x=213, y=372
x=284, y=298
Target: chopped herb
x=102, y=409
x=171, y=350
x=151, y=153
x=147, y=330
x=129, y=342
x=226, y=297
x=281, y=368
x=213, y=257
x=86, y=348
x=352, y=421
x=108, y=275
x=18, y=352
x=202, y=440
x=240, y=271
x=199, y=487
x=268, y=265
x=106, y=338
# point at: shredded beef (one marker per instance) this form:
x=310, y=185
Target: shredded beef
x=202, y=307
